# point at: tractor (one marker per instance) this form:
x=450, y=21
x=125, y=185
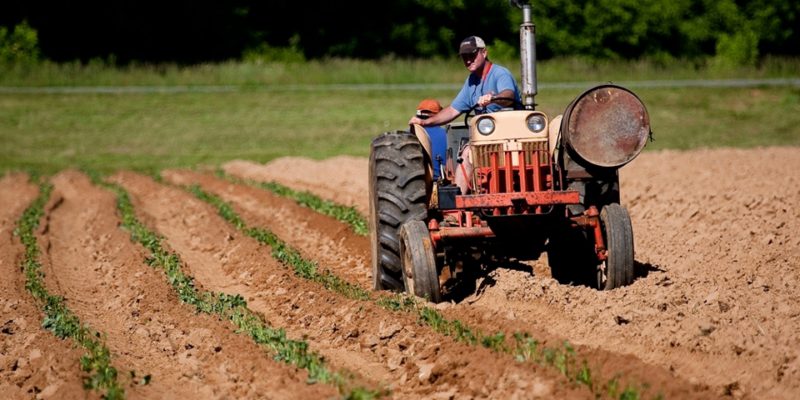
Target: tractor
x=539, y=186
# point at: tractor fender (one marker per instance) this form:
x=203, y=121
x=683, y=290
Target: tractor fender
x=554, y=129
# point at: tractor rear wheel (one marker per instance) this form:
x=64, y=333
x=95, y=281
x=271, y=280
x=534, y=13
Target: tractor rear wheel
x=617, y=270
x=420, y=274
x=397, y=194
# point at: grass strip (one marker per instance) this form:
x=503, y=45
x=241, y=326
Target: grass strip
x=523, y=347
x=344, y=214
x=58, y=318
x=231, y=307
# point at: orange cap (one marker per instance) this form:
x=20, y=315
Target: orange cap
x=429, y=105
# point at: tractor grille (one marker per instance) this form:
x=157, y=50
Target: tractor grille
x=482, y=154
x=524, y=167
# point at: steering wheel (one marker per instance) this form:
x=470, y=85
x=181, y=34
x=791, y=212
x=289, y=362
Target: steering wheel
x=472, y=112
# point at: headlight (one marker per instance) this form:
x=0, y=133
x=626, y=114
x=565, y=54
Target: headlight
x=536, y=123
x=486, y=126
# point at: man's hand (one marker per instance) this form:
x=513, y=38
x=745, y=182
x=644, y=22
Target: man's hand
x=415, y=120
x=484, y=100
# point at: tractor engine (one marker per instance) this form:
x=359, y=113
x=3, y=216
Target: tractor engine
x=512, y=163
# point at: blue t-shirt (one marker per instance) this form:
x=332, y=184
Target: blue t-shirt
x=497, y=79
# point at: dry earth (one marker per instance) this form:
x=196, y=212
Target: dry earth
x=714, y=313
x=718, y=302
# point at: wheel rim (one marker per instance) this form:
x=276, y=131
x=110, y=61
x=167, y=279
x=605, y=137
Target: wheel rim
x=602, y=274
x=420, y=270
x=408, y=269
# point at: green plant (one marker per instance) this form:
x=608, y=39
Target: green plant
x=737, y=49
x=264, y=53
x=21, y=46
x=584, y=376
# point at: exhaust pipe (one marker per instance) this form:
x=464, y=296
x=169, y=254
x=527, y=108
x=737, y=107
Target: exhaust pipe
x=527, y=50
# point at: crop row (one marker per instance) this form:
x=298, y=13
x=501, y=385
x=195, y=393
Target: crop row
x=57, y=317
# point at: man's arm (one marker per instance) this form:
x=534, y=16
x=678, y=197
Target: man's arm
x=443, y=117
x=506, y=86
x=507, y=100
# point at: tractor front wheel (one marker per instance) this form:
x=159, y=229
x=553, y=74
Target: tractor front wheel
x=420, y=274
x=617, y=270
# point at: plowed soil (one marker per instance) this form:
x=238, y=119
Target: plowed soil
x=714, y=311
x=716, y=302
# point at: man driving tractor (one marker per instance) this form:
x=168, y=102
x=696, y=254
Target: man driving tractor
x=488, y=85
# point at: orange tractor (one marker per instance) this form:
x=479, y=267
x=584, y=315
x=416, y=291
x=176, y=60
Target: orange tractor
x=539, y=185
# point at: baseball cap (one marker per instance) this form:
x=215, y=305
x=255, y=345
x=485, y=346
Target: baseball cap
x=471, y=45
x=428, y=106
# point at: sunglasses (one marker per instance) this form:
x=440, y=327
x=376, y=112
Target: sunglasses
x=470, y=56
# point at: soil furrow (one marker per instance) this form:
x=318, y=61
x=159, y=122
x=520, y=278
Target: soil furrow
x=303, y=174
x=321, y=238
x=390, y=348
x=106, y=282
x=33, y=362
x=717, y=300
x=261, y=208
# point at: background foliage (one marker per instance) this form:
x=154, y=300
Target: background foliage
x=729, y=32
x=19, y=45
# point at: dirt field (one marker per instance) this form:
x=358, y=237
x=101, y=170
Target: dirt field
x=715, y=312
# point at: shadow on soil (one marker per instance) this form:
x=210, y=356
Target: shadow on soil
x=477, y=278
x=642, y=270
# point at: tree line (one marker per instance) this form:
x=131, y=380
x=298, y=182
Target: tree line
x=182, y=31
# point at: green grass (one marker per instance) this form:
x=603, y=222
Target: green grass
x=148, y=132
x=389, y=70
x=264, y=115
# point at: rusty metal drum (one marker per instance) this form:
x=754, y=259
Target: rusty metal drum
x=607, y=126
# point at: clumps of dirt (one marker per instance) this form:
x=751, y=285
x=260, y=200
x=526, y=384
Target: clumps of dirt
x=717, y=255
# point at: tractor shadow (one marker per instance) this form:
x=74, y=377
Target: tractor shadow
x=642, y=270
x=588, y=278
x=475, y=280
